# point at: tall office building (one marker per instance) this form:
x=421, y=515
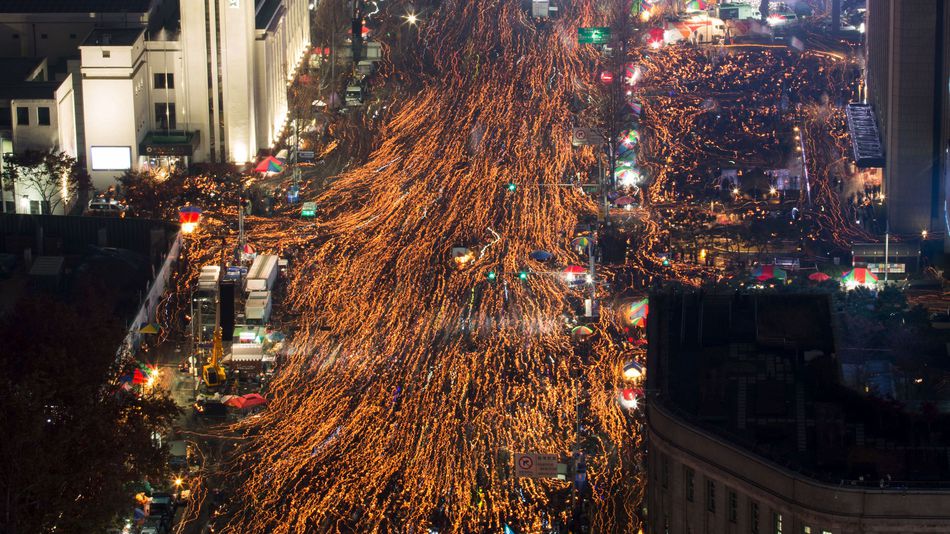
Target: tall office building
x=754, y=427
x=908, y=80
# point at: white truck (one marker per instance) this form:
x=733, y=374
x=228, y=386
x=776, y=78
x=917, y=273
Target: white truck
x=258, y=307
x=208, y=279
x=262, y=274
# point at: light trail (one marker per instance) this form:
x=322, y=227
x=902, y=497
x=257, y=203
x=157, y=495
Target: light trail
x=412, y=423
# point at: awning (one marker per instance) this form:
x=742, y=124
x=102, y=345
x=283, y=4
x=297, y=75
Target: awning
x=173, y=143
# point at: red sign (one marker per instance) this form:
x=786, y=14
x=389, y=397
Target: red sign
x=606, y=77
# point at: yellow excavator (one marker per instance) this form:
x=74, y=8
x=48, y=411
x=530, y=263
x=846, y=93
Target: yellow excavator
x=213, y=374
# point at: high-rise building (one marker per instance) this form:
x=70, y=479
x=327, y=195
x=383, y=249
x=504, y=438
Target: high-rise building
x=751, y=427
x=908, y=81
x=210, y=88
x=162, y=83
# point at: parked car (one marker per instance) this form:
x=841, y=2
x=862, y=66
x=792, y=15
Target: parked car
x=102, y=207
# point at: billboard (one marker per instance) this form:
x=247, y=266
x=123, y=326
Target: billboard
x=110, y=158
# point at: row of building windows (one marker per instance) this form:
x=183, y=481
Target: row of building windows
x=23, y=115
x=732, y=502
x=45, y=36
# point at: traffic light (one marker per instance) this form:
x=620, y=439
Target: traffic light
x=666, y=262
x=512, y=186
x=523, y=275
x=491, y=276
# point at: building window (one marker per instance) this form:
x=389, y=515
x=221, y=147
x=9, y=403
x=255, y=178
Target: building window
x=711, y=496
x=777, y=522
x=665, y=468
x=165, y=115
x=42, y=115
x=10, y=206
x=733, y=506
x=754, y=517
x=44, y=36
x=22, y=116
x=72, y=36
x=806, y=529
x=164, y=80
x=6, y=118
x=689, y=475
x=825, y=532
x=107, y=53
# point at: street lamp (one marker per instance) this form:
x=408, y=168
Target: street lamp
x=923, y=233
x=411, y=18
x=188, y=217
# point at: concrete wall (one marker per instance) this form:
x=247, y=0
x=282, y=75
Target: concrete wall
x=115, y=91
x=165, y=57
x=236, y=27
x=194, y=81
x=677, y=449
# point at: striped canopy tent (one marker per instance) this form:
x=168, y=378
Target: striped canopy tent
x=859, y=276
x=696, y=5
x=630, y=138
x=270, y=164
x=768, y=272
x=627, y=159
x=636, y=314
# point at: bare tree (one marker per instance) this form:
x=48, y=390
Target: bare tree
x=55, y=176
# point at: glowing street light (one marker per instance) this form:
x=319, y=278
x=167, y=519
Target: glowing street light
x=412, y=19
x=632, y=370
x=188, y=217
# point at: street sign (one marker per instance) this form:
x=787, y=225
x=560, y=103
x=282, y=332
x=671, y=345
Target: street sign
x=309, y=209
x=595, y=35
x=586, y=136
x=535, y=465
x=305, y=155
x=540, y=9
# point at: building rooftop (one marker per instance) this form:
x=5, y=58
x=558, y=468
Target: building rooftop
x=75, y=6
x=19, y=69
x=762, y=372
x=113, y=36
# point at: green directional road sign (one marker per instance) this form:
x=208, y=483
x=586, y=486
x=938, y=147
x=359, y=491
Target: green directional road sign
x=596, y=35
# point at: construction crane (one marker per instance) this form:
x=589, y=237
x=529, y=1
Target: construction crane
x=213, y=374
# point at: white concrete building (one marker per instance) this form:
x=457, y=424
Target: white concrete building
x=215, y=91
x=35, y=115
